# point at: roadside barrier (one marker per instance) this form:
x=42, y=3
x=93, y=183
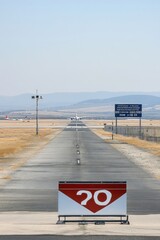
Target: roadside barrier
x=148, y=133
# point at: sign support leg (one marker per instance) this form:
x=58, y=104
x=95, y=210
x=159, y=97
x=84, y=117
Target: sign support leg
x=112, y=131
x=116, y=125
x=140, y=128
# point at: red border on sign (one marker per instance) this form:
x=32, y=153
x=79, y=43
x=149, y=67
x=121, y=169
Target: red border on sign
x=116, y=190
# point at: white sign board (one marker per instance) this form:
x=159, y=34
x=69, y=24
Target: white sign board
x=92, y=198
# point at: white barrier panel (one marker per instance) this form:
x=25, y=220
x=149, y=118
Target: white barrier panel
x=92, y=198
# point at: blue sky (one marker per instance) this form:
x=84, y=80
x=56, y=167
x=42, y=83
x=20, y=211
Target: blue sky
x=80, y=45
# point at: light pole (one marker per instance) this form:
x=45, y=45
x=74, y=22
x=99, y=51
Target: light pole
x=36, y=97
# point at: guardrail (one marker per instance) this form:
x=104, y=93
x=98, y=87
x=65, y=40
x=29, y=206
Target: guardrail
x=148, y=133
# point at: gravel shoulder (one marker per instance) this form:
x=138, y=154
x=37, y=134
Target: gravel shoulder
x=145, y=160
x=141, y=157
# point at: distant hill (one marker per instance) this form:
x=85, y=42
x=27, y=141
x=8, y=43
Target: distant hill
x=104, y=108
x=55, y=101
x=146, y=100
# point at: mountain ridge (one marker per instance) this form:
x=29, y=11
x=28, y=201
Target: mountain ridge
x=59, y=100
x=129, y=99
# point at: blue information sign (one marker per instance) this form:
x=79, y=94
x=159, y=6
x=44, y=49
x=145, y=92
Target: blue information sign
x=128, y=110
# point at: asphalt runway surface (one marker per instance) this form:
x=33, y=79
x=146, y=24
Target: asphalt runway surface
x=34, y=187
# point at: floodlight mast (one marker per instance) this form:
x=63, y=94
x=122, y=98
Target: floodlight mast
x=37, y=97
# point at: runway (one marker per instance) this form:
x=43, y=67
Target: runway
x=33, y=188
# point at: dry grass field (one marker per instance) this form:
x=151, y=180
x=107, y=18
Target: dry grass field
x=17, y=135
x=15, y=140
x=151, y=147
x=129, y=122
x=46, y=123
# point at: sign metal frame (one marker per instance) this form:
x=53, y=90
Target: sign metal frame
x=97, y=217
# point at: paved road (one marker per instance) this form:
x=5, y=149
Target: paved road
x=34, y=186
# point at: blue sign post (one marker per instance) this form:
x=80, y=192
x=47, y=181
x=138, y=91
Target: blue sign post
x=129, y=111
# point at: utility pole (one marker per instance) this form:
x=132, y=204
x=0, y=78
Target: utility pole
x=37, y=97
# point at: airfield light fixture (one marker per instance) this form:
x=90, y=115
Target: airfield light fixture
x=37, y=97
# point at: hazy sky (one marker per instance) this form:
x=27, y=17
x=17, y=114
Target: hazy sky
x=79, y=45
